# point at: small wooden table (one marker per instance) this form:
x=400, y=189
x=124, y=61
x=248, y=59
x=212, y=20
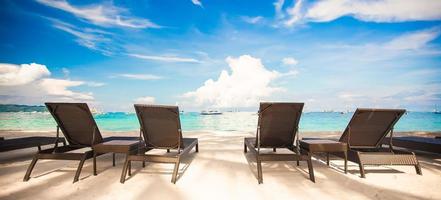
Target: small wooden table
x=127, y=147
x=327, y=146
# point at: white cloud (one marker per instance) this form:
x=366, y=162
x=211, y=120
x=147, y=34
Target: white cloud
x=294, y=13
x=289, y=61
x=413, y=41
x=197, y=2
x=291, y=73
x=59, y=87
x=371, y=11
x=31, y=83
x=252, y=20
x=409, y=44
x=101, y=14
x=248, y=83
x=139, y=76
x=12, y=75
x=90, y=38
x=65, y=71
x=165, y=58
x=278, y=7
x=145, y=100
x=95, y=84
x=349, y=96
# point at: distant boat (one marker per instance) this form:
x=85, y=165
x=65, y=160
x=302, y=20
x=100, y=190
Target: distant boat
x=95, y=111
x=436, y=111
x=211, y=112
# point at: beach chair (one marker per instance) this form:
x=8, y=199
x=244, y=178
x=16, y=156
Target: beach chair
x=28, y=142
x=365, y=134
x=428, y=144
x=161, y=129
x=79, y=129
x=277, y=127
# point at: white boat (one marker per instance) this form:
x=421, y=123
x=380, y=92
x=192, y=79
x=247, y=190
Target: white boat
x=211, y=112
x=436, y=111
x=95, y=111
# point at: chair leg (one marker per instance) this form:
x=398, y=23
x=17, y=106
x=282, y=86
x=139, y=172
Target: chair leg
x=327, y=158
x=143, y=164
x=418, y=169
x=346, y=161
x=298, y=163
x=113, y=159
x=197, y=147
x=168, y=150
x=362, y=174
x=245, y=147
x=310, y=169
x=175, y=172
x=130, y=168
x=80, y=167
x=124, y=170
x=259, y=171
x=274, y=149
x=30, y=168
x=94, y=163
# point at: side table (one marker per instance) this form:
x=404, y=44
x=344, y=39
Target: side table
x=326, y=146
x=115, y=146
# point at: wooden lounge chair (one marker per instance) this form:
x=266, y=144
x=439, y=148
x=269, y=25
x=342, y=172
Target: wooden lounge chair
x=364, y=135
x=161, y=129
x=277, y=127
x=80, y=130
x=28, y=142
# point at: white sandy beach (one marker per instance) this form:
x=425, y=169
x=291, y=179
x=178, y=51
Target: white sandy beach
x=219, y=171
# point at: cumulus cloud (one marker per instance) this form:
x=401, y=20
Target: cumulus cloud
x=101, y=14
x=138, y=76
x=31, y=83
x=12, y=75
x=289, y=61
x=371, y=11
x=197, y=2
x=165, y=58
x=248, y=83
x=145, y=100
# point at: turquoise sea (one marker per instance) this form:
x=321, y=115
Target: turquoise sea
x=229, y=121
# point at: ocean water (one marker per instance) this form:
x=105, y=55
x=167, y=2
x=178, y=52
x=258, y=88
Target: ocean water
x=229, y=121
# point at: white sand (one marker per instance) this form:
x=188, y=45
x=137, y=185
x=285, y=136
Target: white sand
x=219, y=171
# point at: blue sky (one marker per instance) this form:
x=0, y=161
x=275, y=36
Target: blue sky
x=332, y=55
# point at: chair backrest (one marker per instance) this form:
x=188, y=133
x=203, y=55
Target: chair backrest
x=278, y=123
x=160, y=125
x=368, y=127
x=76, y=122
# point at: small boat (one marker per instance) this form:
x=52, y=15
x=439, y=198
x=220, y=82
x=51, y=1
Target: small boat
x=95, y=111
x=436, y=111
x=211, y=112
